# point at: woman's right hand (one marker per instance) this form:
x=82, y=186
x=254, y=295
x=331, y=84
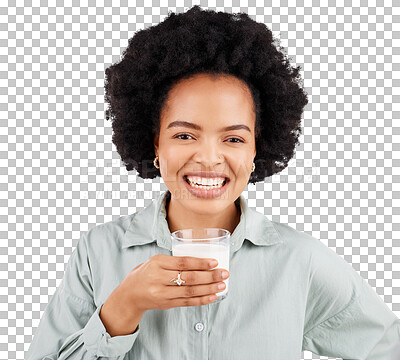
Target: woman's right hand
x=148, y=286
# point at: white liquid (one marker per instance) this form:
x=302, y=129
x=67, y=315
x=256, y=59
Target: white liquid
x=206, y=251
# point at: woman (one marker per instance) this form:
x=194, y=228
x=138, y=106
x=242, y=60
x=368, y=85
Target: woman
x=208, y=95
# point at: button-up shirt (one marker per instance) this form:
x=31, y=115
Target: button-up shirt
x=288, y=292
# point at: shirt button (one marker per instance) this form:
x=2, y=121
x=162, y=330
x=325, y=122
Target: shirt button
x=199, y=327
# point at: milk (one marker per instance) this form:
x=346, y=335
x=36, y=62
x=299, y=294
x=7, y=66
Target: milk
x=209, y=251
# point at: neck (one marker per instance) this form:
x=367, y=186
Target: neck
x=179, y=218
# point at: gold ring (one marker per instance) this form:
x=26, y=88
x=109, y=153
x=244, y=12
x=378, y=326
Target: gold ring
x=178, y=280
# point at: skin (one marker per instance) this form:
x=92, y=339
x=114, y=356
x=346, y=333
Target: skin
x=212, y=103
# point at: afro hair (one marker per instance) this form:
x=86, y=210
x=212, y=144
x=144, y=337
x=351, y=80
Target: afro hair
x=204, y=41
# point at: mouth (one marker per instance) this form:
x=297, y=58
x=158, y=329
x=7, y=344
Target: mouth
x=203, y=186
x=213, y=191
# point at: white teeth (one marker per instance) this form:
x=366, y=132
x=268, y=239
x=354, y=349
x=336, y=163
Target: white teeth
x=198, y=182
x=206, y=181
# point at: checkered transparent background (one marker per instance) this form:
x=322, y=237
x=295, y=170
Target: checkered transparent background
x=60, y=174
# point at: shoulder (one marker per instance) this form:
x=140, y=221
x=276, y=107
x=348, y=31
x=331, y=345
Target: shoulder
x=107, y=236
x=291, y=235
x=114, y=228
x=324, y=265
x=305, y=243
x=295, y=240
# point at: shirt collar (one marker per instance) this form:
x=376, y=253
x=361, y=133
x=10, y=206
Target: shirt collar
x=150, y=225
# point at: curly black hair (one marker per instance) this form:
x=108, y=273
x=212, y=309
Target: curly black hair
x=216, y=43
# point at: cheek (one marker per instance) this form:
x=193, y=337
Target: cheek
x=172, y=154
x=173, y=160
x=240, y=163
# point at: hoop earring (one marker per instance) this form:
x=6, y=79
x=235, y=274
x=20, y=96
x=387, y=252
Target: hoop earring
x=253, y=167
x=155, y=162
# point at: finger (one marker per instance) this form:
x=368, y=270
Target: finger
x=196, y=301
x=196, y=277
x=185, y=263
x=177, y=292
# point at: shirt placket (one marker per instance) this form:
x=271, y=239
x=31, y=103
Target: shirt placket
x=198, y=328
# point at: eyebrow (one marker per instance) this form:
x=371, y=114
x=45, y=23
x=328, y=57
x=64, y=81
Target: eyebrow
x=198, y=127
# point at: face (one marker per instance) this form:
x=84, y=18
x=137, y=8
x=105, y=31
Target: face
x=211, y=142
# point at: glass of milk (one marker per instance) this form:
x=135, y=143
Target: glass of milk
x=212, y=243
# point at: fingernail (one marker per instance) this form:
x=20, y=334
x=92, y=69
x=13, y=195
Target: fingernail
x=213, y=263
x=221, y=286
x=225, y=274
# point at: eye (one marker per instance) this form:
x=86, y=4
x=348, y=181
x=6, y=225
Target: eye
x=178, y=136
x=234, y=142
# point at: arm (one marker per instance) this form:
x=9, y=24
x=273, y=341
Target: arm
x=365, y=330
x=70, y=327
x=345, y=317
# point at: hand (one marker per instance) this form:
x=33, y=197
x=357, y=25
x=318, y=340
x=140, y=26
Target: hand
x=148, y=285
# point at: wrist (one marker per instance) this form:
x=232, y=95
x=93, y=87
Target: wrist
x=119, y=316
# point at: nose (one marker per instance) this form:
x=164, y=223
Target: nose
x=208, y=153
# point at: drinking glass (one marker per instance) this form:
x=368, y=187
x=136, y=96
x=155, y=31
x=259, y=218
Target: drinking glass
x=213, y=243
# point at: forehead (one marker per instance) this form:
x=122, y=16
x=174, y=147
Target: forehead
x=205, y=96
x=226, y=83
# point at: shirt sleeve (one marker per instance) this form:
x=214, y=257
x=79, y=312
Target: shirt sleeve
x=346, y=318
x=70, y=327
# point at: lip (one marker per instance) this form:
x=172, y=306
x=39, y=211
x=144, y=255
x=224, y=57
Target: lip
x=206, y=194
x=207, y=175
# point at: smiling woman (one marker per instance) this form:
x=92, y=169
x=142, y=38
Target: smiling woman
x=209, y=102
x=219, y=110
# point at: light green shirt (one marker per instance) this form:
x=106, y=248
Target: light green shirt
x=288, y=292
